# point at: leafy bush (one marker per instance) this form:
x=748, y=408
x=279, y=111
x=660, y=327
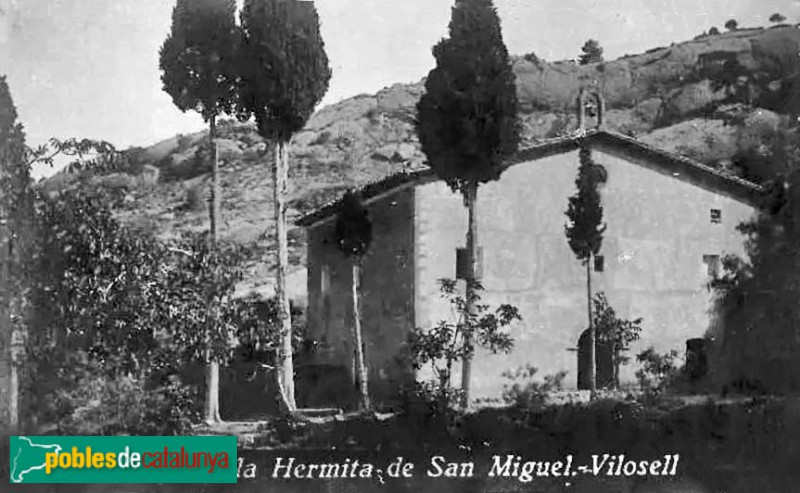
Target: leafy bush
x=615, y=332
x=116, y=313
x=658, y=370
x=101, y=406
x=80, y=396
x=430, y=400
x=448, y=342
x=527, y=393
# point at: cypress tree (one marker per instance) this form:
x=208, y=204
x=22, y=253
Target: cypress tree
x=284, y=74
x=584, y=231
x=468, y=122
x=16, y=213
x=198, y=64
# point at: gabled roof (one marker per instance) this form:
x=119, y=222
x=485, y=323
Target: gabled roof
x=677, y=166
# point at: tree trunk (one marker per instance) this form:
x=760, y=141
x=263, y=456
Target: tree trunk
x=212, y=365
x=9, y=414
x=592, y=335
x=472, y=278
x=361, y=367
x=284, y=368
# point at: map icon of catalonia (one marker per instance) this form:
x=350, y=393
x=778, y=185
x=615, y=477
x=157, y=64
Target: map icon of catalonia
x=29, y=457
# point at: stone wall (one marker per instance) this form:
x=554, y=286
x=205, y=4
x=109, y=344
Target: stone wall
x=387, y=299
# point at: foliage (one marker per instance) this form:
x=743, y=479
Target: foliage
x=757, y=344
x=95, y=282
x=613, y=331
x=777, y=18
x=731, y=24
x=584, y=228
x=713, y=31
x=136, y=308
x=15, y=181
x=430, y=400
x=526, y=393
x=202, y=281
x=198, y=58
x=97, y=156
x=657, y=371
x=445, y=343
x=533, y=58
x=771, y=82
x=283, y=65
x=730, y=78
x=92, y=403
x=353, y=228
x=258, y=326
x=467, y=119
x=16, y=214
x=591, y=52
x=774, y=154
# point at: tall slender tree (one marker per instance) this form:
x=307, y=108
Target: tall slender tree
x=353, y=236
x=15, y=217
x=584, y=230
x=284, y=75
x=468, y=122
x=198, y=64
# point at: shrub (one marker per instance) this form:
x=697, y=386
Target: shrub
x=531, y=57
x=525, y=392
x=125, y=406
x=430, y=400
x=451, y=342
x=82, y=398
x=658, y=370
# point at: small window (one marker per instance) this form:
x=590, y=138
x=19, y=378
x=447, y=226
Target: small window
x=716, y=216
x=599, y=263
x=712, y=264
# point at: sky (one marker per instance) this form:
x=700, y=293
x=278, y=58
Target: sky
x=89, y=68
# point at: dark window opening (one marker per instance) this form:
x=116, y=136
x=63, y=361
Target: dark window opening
x=599, y=263
x=716, y=216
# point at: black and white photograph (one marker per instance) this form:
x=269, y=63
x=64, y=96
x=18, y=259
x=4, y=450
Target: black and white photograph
x=489, y=246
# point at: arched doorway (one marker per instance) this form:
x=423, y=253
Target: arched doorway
x=605, y=364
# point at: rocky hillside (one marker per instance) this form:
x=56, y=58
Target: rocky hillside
x=663, y=97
